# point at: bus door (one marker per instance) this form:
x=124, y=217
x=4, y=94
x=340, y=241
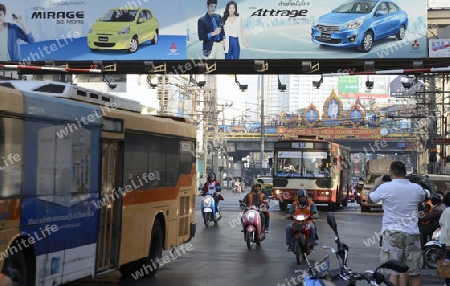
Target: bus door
x=110, y=212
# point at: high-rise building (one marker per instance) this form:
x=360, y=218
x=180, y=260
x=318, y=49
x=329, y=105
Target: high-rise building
x=299, y=93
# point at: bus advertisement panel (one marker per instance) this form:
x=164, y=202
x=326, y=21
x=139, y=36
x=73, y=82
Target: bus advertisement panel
x=61, y=187
x=181, y=30
x=321, y=168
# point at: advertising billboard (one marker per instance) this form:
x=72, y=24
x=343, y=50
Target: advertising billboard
x=119, y=30
x=312, y=29
x=40, y=30
x=364, y=87
x=439, y=48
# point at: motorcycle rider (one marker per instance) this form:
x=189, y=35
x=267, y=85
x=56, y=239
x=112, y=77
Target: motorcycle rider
x=212, y=187
x=236, y=186
x=309, y=208
x=432, y=218
x=256, y=197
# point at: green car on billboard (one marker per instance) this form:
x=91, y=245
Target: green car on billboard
x=123, y=29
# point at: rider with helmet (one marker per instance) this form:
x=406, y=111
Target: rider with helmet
x=256, y=197
x=307, y=207
x=432, y=218
x=212, y=187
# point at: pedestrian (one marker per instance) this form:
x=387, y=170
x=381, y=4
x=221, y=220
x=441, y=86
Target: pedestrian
x=444, y=221
x=400, y=239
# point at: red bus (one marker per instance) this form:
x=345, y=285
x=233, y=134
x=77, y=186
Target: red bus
x=320, y=167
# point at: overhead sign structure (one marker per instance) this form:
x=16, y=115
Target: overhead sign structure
x=119, y=30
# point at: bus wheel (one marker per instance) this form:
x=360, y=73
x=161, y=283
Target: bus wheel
x=15, y=267
x=156, y=249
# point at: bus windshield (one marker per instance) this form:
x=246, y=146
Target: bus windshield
x=311, y=164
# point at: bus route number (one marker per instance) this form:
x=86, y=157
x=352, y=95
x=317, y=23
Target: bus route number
x=301, y=145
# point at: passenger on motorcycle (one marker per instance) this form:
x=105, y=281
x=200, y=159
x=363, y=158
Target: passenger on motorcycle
x=212, y=187
x=432, y=218
x=307, y=207
x=256, y=197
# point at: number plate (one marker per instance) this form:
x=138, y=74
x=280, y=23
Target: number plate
x=103, y=39
x=326, y=35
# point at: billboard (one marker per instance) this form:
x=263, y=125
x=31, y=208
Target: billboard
x=439, y=48
x=94, y=30
x=119, y=30
x=308, y=29
x=357, y=87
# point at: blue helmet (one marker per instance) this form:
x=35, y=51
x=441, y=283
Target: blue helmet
x=301, y=193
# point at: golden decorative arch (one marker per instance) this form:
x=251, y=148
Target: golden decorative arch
x=355, y=115
x=311, y=115
x=333, y=108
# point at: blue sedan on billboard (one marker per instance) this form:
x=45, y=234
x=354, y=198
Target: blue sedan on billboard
x=357, y=24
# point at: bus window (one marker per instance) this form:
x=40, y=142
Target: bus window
x=316, y=164
x=172, y=165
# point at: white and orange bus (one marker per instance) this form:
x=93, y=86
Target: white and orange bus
x=320, y=167
x=88, y=185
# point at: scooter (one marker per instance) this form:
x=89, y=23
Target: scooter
x=236, y=189
x=300, y=232
x=251, y=225
x=210, y=212
x=344, y=275
x=432, y=249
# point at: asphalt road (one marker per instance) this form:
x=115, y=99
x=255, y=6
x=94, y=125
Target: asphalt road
x=218, y=255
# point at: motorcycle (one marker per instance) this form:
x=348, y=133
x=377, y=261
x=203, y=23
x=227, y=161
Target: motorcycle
x=432, y=249
x=210, y=212
x=300, y=232
x=251, y=224
x=344, y=275
x=317, y=274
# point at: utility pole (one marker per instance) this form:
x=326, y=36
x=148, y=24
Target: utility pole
x=262, y=122
x=163, y=95
x=433, y=123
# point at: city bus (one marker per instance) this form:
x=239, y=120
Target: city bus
x=88, y=184
x=322, y=168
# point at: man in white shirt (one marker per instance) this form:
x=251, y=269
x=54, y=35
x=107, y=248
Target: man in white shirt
x=400, y=232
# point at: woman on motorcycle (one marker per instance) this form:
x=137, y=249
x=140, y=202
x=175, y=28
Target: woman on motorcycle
x=212, y=187
x=256, y=197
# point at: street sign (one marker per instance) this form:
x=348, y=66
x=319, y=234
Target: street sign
x=441, y=141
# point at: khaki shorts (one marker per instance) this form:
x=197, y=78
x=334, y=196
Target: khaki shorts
x=403, y=247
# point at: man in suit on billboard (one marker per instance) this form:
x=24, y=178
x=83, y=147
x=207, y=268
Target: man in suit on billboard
x=211, y=32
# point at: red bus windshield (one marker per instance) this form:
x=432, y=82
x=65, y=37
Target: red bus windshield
x=303, y=164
